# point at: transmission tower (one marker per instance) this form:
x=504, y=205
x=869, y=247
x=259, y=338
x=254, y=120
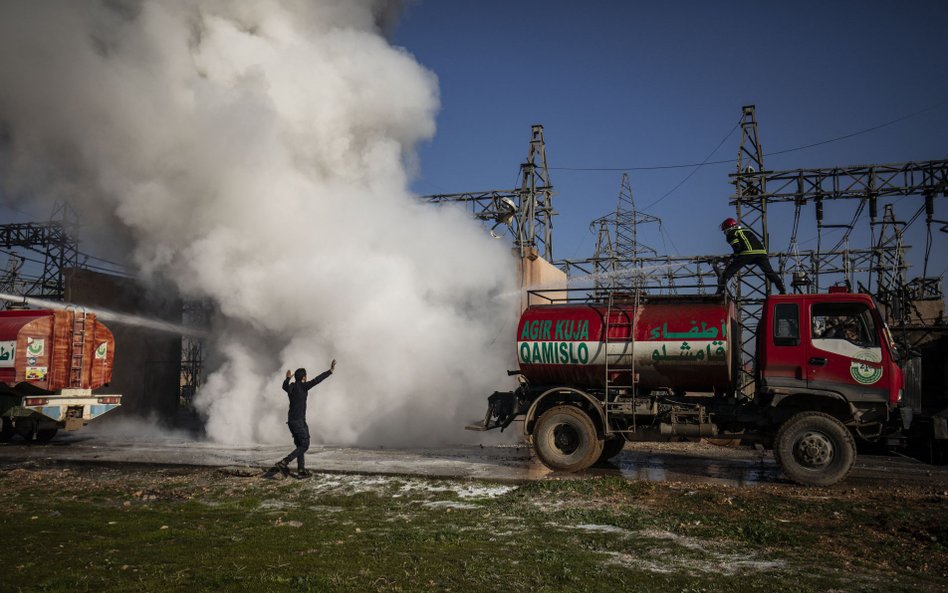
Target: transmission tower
x=750, y=195
x=525, y=212
x=618, y=258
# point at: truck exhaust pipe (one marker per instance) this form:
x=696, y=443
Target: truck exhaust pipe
x=705, y=429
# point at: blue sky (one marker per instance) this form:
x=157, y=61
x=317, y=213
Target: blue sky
x=637, y=84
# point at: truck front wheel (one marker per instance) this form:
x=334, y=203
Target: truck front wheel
x=815, y=449
x=565, y=439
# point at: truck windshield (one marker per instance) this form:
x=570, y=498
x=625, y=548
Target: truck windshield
x=851, y=322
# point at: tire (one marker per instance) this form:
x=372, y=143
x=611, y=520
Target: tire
x=815, y=449
x=565, y=439
x=24, y=428
x=610, y=448
x=45, y=435
x=6, y=430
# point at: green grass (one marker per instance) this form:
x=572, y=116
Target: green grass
x=93, y=529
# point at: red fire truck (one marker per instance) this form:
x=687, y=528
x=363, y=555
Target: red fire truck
x=597, y=372
x=50, y=362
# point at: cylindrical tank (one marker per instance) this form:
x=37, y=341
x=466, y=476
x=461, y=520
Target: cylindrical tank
x=55, y=350
x=681, y=343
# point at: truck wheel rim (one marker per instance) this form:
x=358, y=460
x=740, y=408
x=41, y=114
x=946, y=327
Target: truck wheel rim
x=565, y=439
x=814, y=450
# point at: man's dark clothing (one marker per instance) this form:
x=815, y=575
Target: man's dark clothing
x=297, y=392
x=748, y=251
x=296, y=418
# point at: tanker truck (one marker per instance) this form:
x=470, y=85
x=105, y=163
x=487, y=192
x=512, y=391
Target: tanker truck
x=50, y=361
x=596, y=372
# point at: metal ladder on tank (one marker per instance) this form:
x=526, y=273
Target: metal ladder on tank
x=620, y=394
x=78, y=347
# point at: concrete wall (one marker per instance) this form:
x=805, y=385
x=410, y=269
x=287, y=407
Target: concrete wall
x=147, y=369
x=538, y=274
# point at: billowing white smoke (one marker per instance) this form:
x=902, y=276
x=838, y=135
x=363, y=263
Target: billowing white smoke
x=256, y=152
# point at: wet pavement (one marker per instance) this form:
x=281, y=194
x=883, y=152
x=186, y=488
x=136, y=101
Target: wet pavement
x=672, y=462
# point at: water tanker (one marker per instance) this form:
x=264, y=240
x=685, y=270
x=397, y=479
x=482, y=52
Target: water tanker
x=678, y=344
x=600, y=370
x=50, y=361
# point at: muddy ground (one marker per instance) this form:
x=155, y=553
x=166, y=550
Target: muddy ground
x=96, y=525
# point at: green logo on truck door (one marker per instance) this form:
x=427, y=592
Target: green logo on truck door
x=864, y=373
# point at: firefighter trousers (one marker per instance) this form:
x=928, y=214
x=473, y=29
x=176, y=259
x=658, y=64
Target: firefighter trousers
x=760, y=260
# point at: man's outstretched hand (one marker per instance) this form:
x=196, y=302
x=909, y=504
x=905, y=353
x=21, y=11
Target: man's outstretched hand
x=288, y=373
x=332, y=365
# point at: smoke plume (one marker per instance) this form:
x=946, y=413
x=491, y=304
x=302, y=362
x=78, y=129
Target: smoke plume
x=258, y=152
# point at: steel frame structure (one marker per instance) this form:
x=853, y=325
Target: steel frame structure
x=525, y=211
x=696, y=273
x=195, y=313
x=756, y=189
x=879, y=268
x=54, y=244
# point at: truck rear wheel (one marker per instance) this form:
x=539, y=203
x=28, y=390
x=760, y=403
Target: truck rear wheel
x=565, y=439
x=6, y=429
x=24, y=427
x=45, y=435
x=815, y=449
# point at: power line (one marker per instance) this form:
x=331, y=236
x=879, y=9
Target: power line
x=774, y=153
x=695, y=170
x=101, y=259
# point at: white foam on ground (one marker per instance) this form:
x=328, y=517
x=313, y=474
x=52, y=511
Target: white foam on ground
x=450, y=504
x=663, y=558
x=602, y=528
x=398, y=487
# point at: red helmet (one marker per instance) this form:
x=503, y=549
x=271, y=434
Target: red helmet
x=728, y=223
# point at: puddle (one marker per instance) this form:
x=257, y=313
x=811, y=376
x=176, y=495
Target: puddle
x=739, y=468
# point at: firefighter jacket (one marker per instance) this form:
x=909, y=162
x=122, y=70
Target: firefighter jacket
x=297, y=392
x=745, y=242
